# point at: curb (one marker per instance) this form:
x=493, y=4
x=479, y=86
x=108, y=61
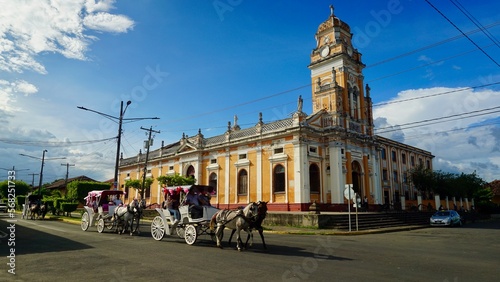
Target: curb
x=345, y=233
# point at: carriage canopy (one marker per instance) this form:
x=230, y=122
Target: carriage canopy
x=174, y=190
x=101, y=196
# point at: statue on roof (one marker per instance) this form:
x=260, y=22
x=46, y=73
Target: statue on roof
x=300, y=103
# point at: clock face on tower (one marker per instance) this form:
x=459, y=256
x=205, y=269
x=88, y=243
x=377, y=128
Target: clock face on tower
x=324, y=51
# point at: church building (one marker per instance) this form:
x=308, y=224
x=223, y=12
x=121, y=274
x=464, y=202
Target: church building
x=302, y=159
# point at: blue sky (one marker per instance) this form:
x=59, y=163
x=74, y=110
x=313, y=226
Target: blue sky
x=196, y=64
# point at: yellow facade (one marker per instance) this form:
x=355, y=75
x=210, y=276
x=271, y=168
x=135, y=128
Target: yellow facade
x=295, y=161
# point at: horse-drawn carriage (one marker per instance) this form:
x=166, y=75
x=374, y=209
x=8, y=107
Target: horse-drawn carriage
x=194, y=220
x=33, y=207
x=99, y=209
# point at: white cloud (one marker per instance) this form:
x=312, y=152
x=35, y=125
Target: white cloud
x=464, y=143
x=9, y=90
x=107, y=22
x=31, y=27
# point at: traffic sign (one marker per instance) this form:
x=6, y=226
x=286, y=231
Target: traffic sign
x=349, y=192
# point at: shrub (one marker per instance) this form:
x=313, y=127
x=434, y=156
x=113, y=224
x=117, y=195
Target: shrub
x=20, y=200
x=69, y=207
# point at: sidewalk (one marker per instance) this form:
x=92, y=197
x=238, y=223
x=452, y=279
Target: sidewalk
x=313, y=231
x=274, y=229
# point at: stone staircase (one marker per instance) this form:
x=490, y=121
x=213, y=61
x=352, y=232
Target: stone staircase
x=340, y=221
x=367, y=221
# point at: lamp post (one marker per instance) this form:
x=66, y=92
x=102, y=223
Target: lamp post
x=41, y=168
x=41, y=173
x=120, y=120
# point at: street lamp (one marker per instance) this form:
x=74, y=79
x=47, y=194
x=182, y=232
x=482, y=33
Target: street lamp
x=41, y=169
x=120, y=122
x=14, y=170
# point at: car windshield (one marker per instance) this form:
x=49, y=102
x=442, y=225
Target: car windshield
x=442, y=214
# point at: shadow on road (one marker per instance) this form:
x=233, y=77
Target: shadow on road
x=26, y=241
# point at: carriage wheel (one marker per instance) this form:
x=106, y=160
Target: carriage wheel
x=85, y=221
x=190, y=234
x=100, y=225
x=180, y=231
x=158, y=228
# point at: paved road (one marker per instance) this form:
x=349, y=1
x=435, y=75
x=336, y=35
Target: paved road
x=57, y=251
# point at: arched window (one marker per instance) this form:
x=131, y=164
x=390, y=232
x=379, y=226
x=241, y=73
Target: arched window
x=279, y=178
x=314, y=178
x=190, y=171
x=355, y=101
x=212, y=181
x=242, y=182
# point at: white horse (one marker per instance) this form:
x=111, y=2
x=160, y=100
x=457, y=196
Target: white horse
x=256, y=224
x=233, y=219
x=124, y=217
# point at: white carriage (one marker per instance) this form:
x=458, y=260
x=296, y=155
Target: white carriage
x=99, y=209
x=187, y=227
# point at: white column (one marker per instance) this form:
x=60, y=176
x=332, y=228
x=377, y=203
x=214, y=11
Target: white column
x=301, y=173
x=376, y=177
x=403, y=203
x=337, y=176
x=226, y=178
x=437, y=201
x=259, y=173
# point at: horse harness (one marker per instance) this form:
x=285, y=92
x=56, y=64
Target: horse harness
x=239, y=213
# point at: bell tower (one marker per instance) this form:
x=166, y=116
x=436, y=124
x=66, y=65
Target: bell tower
x=337, y=79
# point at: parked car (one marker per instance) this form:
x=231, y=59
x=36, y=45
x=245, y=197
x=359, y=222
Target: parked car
x=3, y=207
x=446, y=218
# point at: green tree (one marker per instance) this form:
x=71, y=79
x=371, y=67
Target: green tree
x=443, y=183
x=175, y=180
x=78, y=190
x=21, y=188
x=422, y=179
x=137, y=184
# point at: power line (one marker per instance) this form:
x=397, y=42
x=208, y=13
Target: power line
x=39, y=143
x=420, y=135
x=440, y=119
x=474, y=21
x=472, y=41
x=428, y=46
x=425, y=65
x=435, y=94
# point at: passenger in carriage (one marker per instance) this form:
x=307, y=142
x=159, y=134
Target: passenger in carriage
x=192, y=200
x=172, y=204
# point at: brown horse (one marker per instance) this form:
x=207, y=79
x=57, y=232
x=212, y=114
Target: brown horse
x=38, y=210
x=255, y=224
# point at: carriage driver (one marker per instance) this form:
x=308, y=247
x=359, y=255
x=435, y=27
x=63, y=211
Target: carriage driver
x=117, y=200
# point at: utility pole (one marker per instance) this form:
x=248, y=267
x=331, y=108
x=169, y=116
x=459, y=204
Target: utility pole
x=67, y=173
x=33, y=180
x=120, y=120
x=41, y=169
x=147, y=144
